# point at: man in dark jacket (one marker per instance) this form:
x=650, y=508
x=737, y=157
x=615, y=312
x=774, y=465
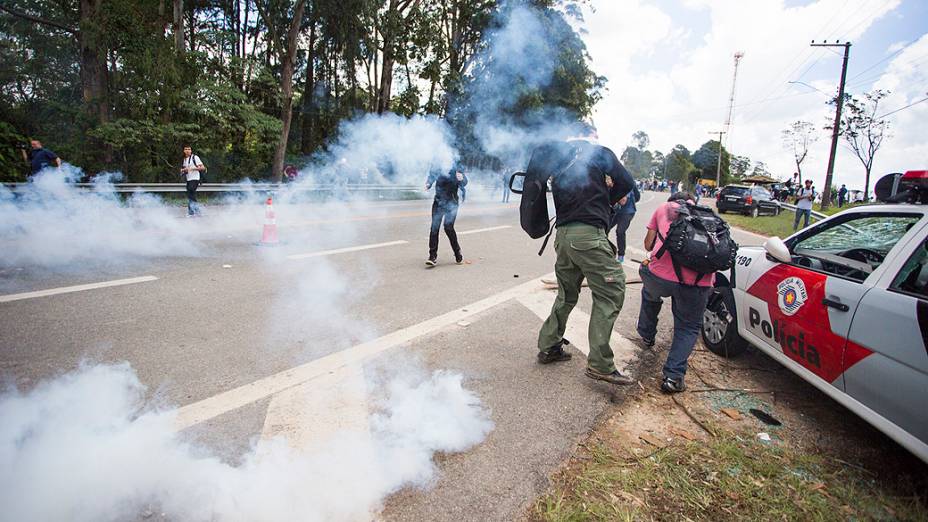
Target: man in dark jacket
x=40, y=158
x=622, y=219
x=586, y=187
x=445, y=207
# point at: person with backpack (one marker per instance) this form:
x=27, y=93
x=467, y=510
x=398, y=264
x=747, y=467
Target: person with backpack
x=586, y=180
x=622, y=217
x=191, y=169
x=804, y=198
x=681, y=237
x=445, y=208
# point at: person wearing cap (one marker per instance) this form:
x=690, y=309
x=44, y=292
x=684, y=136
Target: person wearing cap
x=804, y=198
x=445, y=208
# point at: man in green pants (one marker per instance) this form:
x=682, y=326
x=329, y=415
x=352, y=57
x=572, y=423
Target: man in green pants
x=584, y=193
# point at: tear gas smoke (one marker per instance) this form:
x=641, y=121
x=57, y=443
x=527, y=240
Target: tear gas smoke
x=86, y=447
x=55, y=224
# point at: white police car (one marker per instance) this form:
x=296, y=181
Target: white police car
x=843, y=304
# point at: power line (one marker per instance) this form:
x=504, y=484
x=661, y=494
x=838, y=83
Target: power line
x=906, y=46
x=902, y=108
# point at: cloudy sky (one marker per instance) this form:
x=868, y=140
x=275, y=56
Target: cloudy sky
x=669, y=64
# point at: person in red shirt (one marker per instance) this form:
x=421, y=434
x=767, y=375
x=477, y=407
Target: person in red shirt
x=687, y=297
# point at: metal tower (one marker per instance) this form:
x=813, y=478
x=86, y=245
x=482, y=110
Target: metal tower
x=731, y=99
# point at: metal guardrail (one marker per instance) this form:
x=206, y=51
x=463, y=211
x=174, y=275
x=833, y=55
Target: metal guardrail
x=234, y=187
x=815, y=214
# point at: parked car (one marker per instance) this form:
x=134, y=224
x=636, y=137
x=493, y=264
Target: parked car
x=753, y=201
x=844, y=305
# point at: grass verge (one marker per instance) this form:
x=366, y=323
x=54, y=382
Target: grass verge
x=728, y=477
x=781, y=225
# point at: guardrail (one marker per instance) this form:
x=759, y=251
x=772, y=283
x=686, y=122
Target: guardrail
x=815, y=214
x=234, y=187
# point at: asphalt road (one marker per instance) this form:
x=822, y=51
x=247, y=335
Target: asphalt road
x=207, y=330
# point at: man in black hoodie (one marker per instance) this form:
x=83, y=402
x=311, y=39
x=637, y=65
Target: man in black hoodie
x=445, y=207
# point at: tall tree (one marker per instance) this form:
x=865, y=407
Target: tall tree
x=797, y=139
x=286, y=50
x=706, y=159
x=864, y=131
x=641, y=139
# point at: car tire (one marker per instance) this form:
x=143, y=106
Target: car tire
x=755, y=211
x=720, y=334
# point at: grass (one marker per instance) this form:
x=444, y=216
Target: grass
x=781, y=225
x=725, y=478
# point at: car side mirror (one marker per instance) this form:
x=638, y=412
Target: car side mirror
x=776, y=248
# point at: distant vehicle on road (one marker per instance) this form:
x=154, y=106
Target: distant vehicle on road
x=749, y=200
x=844, y=305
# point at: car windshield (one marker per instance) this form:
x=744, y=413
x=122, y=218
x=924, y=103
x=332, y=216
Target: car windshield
x=879, y=233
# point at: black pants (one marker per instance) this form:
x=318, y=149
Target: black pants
x=622, y=222
x=447, y=211
x=193, y=207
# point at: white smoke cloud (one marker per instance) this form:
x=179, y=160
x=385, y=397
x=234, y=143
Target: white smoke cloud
x=54, y=224
x=86, y=446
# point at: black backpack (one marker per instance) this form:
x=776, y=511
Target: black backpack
x=700, y=240
x=548, y=160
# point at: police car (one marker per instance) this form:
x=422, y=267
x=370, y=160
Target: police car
x=843, y=304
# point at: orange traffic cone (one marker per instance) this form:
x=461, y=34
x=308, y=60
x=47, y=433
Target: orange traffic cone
x=269, y=237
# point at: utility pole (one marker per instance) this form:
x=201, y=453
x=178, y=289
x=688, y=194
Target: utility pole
x=826, y=194
x=718, y=170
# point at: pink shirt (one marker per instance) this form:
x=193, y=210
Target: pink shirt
x=663, y=267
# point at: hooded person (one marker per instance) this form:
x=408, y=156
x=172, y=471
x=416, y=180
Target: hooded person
x=585, y=188
x=445, y=209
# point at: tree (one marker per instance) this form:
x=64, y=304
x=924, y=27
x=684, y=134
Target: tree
x=864, y=131
x=797, y=139
x=637, y=161
x=740, y=165
x=706, y=159
x=679, y=164
x=641, y=139
x=286, y=50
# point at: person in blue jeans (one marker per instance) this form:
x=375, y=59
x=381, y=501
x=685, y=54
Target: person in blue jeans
x=804, y=198
x=622, y=217
x=688, y=297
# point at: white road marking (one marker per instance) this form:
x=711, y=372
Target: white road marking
x=216, y=405
x=316, y=411
x=578, y=326
x=479, y=230
x=346, y=250
x=77, y=288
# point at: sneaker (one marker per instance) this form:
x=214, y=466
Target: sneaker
x=459, y=259
x=555, y=354
x=612, y=378
x=620, y=259
x=430, y=262
x=672, y=385
x=649, y=342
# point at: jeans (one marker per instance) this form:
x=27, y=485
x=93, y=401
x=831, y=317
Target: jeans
x=622, y=221
x=193, y=208
x=584, y=251
x=687, y=303
x=447, y=211
x=505, y=193
x=800, y=212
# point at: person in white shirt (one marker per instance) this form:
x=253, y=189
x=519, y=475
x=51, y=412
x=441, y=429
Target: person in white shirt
x=192, y=166
x=804, y=198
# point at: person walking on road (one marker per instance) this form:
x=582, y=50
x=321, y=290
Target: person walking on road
x=39, y=157
x=191, y=169
x=699, y=191
x=804, y=198
x=505, y=185
x=688, y=296
x=842, y=196
x=622, y=219
x=445, y=208
x=585, y=189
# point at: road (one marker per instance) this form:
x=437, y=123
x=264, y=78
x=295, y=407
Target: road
x=239, y=336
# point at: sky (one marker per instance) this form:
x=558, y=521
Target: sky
x=669, y=65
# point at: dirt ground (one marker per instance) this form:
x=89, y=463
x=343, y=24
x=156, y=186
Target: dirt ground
x=701, y=455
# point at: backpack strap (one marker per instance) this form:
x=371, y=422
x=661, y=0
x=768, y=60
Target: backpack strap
x=544, y=244
x=663, y=248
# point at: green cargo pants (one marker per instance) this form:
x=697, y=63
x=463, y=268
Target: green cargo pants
x=583, y=251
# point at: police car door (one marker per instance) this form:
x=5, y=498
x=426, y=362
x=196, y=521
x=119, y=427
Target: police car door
x=892, y=321
x=808, y=304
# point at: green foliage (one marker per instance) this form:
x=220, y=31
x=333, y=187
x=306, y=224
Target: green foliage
x=680, y=165
x=12, y=165
x=706, y=161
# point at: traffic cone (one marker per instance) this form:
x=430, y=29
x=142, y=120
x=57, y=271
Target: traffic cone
x=269, y=237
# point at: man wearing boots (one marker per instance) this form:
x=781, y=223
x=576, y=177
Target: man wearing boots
x=586, y=185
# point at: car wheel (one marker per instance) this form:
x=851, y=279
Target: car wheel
x=720, y=327
x=755, y=212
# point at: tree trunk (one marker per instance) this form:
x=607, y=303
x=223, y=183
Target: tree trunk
x=307, y=141
x=94, y=85
x=179, y=26
x=286, y=90
x=386, y=83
